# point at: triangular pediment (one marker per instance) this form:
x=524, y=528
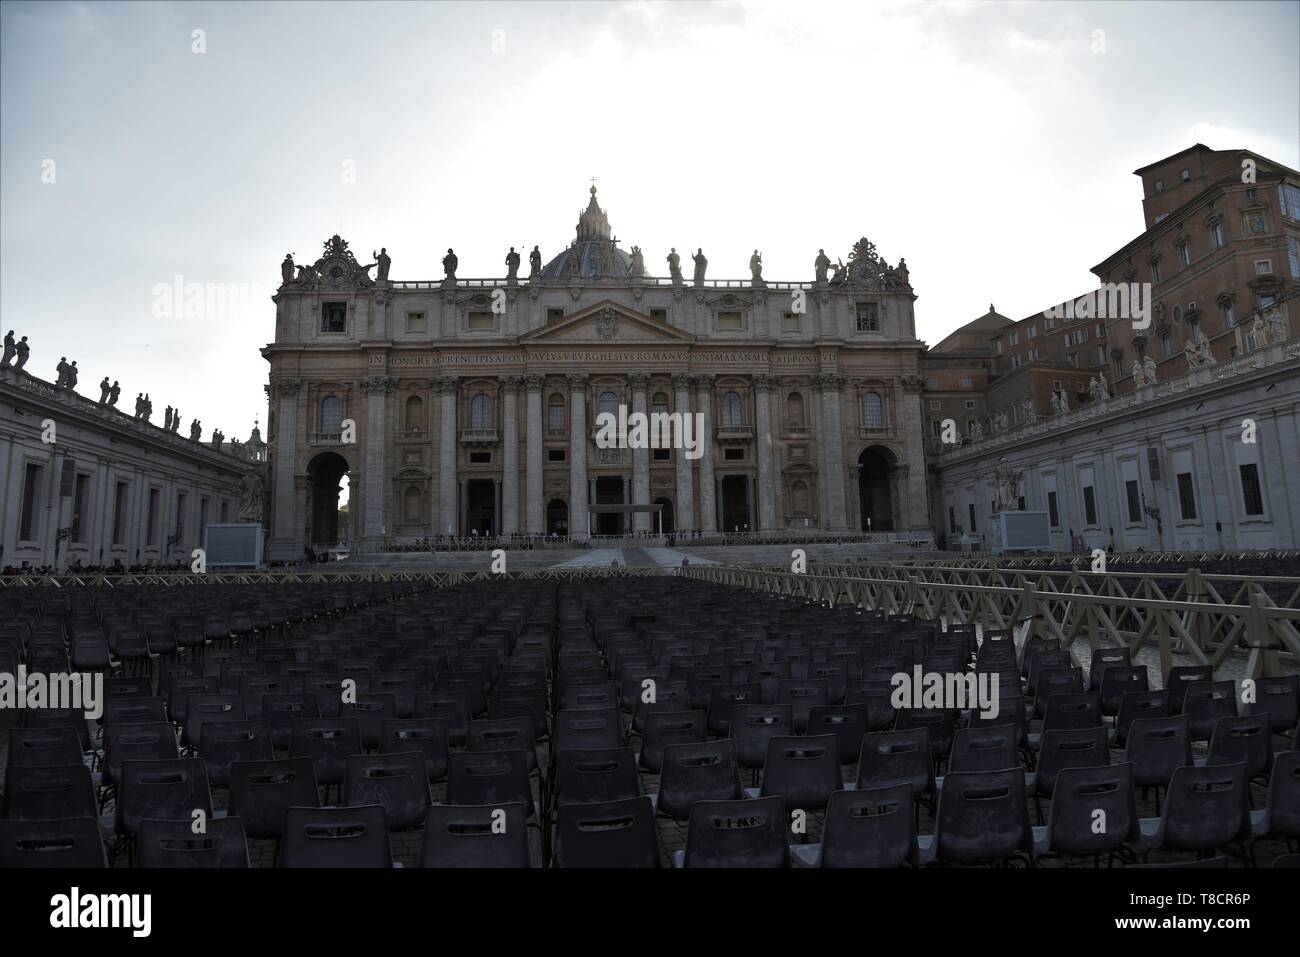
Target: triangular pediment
x=607, y=322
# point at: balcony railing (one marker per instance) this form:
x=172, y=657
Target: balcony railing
x=326, y=438
x=478, y=437
x=734, y=432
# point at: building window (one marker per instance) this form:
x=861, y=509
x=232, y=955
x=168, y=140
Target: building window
x=969, y=404
x=873, y=411
x=1194, y=330
x=555, y=455
x=334, y=317
x=555, y=413
x=481, y=321
x=203, y=514
x=1161, y=217
x=952, y=520
x=31, y=493
x=331, y=414
x=1251, y=494
x=659, y=403
x=414, y=414
x=554, y=315
x=79, y=506
x=480, y=412
x=1216, y=234
x=794, y=412
x=661, y=455
x=1186, y=175
x=659, y=315
x=151, y=527
x=868, y=317
x=1166, y=344
x=1257, y=223
x=936, y=426
x=1134, y=502
x=966, y=382
x=1155, y=272
x=1048, y=324
x=119, y=513
x=970, y=506
x=730, y=320
x=731, y=409
x=1184, y=254
x=1289, y=200
x=1032, y=332
x=1089, y=506
x=1263, y=267
x=1015, y=339
x=608, y=404
x=790, y=322
x=1186, y=496
x=1293, y=256
x=1229, y=314
x=1053, y=515
x=997, y=346
x=480, y=458
x=415, y=322
x=1160, y=185
x=734, y=455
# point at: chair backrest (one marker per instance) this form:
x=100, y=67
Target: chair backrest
x=162, y=791
x=697, y=772
x=1118, y=680
x=1070, y=748
x=596, y=776
x=426, y=735
x=1279, y=696
x=982, y=817
x=224, y=742
x=43, y=747
x=1135, y=705
x=586, y=730
x=1074, y=710
x=329, y=742
x=736, y=833
x=607, y=834
x=66, y=842
x=875, y=827
x=1156, y=747
x=1283, y=802
x=753, y=725
x=174, y=844
x=990, y=747
x=1205, y=702
x=890, y=758
x=203, y=708
x=1182, y=677
x=489, y=777
x=49, y=792
x=803, y=770
x=399, y=783
x=664, y=728
x=1206, y=807
x=335, y=837
x=848, y=722
x=722, y=700
x=1245, y=738
x=1079, y=795
x=490, y=835
x=262, y=791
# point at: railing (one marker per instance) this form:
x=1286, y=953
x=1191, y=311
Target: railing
x=1196, y=621
x=478, y=436
x=325, y=438
x=503, y=283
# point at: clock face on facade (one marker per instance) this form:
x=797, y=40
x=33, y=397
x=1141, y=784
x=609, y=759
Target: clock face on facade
x=335, y=270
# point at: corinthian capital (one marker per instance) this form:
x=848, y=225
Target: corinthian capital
x=444, y=385
x=511, y=382
x=829, y=381
x=762, y=382
x=577, y=381
x=534, y=382
x=638, y=381
x=681, y=382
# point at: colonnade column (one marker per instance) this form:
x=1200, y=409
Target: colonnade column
x=831, y=442
x=765, y=514
x=640, y=457
x=447, y=441
x=533, y=481
x=510, y=455
x=578, y=456
x=685, y=493
x=708, y=498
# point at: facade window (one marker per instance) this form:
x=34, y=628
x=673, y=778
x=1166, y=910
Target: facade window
x=331, y=414
x=151, y=528
x=1089, y=506
x=659, y=403
x=970, y=507
x=1166, y=344
x=1015, y=339
x=79, y=507
x=1053, y=514
x=731, y=415
x=1161, y=217
x=554, y=315
x=1263, y=267
x=480, y=412
x=1288, y=200
x=1134, y=501
x=1155, y=272
x=873, y=411
x=334, y=317
x=1186, y=175
x=31, y=493
x=794, y=411
x=659, y=315
x=1186, y=497
x=414, y=414
x=730, y=320
x=1293, y=256
x=1229, y=315
x=1032, y=332
x=480, y=458
x=1184, y=254
x=1216, y=234
x=481, y=321
x=1257, y=223
x=1160, y=185
x=966, y=383
x=1195, y=330
x=968, y=404
x=555, y=455
x=868, y=317
x=790, y=322
x=555, y=420
x=608, y=404
x=952, y=520
x=1251, y=494
x=997, y=346
x=119, y=513
x=415, y=322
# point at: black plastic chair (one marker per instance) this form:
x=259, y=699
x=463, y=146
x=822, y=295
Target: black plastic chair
x=335, y=837
x=224, y=742
x=984, y=748
x=982, y=818
x=1246, y=739
x=161, y=791
x=940, y=725
x=49, y=793
x=848, y=722
x=490, y=778
x=752, y=726
x=1281, y=814
x=724, y=698
x=1136, y=705
x=491, y=835
x=371, y=709
x=1182, y=677
x=804, y=770
x=664, y=728
x=1156, y=747
x=802, y=696
x=280, y=710
x=1205, y=703
x=1205, y=812
x=1079, y=796
x=890, y=758
x=203, y=708
x=262, y=791
x=737, y=834
x=608, y=834
x=62, y=843
x=426, y=735
x=174, y=844
x=399, y=783
x=329, y=742
x=1116, y=682
x=1279, y=696
x=697, y=772
x=1068, y=748
x=596, y=776
x=43, y=747
x=875, y=827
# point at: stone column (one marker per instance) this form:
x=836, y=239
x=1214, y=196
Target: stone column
x=509, y=517
x=284, y=545
x=578, y=441
x=708, y=487
x=377, y=389
x=685, y=494
x=536, y=507
x=641, y=521
x=916, y=514
x=448, y=507
x=462, y=508
x=765, y=514
x=832, y=450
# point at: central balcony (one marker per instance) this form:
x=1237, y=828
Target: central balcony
x=479, y=437
x=734, y=434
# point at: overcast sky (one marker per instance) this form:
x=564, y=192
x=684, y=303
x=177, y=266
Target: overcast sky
x=992, y=145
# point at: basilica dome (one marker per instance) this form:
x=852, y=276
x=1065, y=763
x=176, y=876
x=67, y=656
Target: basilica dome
x=596, y=254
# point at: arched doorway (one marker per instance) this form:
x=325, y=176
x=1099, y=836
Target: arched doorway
x=326, y=473
x=665, y=515
x=557, y=517
x=735, y=503
x=875, y=478
x=609, y=491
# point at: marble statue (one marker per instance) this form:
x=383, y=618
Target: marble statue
x=1138, y=380
x=756, y=267
x=1149, y=367
x=114, y=393
x=1065, y=403
x=72, y=375
x=139, y=404
x=902, y=271
x=512, y=265
x=250, y=498
x=1029, y=413
x=1103, y=387
x=701, y=264
x=382, y=262
x=821, y=265
x=1007, y=483
x=1203, y=351
x=62, y=369
x=607, y=263
x=11, y=349
x=167, y=418
x=306, y=274
x=575, y=262
x=1092, y=389
x=1259, y=329
x=1192, y=355
x=286, y=269
x=1277, y=330
x=534, y=263
x=449, y=264
x=176, y=419
x=976, y=431
x=104, y=390
x=196, y=430
x=637, y=269
x=1056, y=404
x=674, y=265
x=148, y=407
x=23, y=350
